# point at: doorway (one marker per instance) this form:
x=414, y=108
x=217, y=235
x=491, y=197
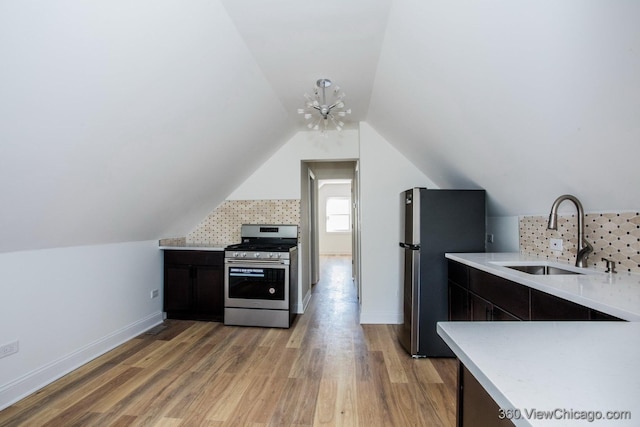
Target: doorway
x=334, y=220
x=329, y=217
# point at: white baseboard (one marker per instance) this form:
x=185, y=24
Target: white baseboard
x=306, y=300
x=35, y=380
x=385, y=318
x=300, y=308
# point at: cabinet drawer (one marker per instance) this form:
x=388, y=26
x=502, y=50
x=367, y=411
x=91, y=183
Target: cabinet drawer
x=507, y=295
x=213, y=258
x=550, y=307
x=458, y=273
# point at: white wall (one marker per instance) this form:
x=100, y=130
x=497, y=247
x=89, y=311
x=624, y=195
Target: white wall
x=279, y=177
x=69, y=305
x=384, y=174
x=506, y=234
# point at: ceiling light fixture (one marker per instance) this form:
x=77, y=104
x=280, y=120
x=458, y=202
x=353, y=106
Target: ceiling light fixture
x=328, y=112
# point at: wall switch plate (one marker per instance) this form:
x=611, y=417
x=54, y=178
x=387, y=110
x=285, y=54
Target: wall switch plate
x=555, y=244
x=9, y=349
x=155, y=293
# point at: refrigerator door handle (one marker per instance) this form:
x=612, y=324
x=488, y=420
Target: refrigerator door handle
x=409, y=246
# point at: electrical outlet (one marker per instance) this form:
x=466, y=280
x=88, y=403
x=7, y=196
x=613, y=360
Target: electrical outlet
x=9, y=349
x=154, y=293
x=489, y=238
x=555, y=244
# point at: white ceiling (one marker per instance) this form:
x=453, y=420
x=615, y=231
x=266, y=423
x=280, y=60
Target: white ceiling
x=143, y=116
x=529, y=100
x=295, y=43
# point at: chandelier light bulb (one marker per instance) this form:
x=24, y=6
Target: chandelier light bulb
x=324, y=109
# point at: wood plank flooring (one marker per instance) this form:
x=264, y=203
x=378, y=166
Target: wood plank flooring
x=325, y=370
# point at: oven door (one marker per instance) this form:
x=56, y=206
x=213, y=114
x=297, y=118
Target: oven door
x=256, y=284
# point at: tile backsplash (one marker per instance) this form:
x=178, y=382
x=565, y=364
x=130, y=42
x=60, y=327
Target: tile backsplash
x=615, y=236
x=222, y=226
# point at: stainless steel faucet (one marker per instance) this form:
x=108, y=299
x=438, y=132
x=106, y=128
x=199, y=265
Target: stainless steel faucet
x=584, y=247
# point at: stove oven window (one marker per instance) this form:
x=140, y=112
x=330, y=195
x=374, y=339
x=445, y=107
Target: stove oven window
x=257, y=283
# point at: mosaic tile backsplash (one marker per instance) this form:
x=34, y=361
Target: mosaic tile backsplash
x=615, y=236
x=222, y=226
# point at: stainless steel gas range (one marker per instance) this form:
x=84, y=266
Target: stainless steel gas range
x=261, y=276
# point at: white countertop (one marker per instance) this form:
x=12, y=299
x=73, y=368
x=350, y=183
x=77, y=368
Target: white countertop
x=561, y=367
x=191, y=248
x=615, y=294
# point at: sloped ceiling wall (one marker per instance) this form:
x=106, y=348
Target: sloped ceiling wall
x=529, y=99
x=123, y=121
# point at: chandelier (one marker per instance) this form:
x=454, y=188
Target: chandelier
x=327, y=112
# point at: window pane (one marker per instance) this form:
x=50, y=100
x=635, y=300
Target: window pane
x=338, y=214
x=337, y=205
x=337, y=223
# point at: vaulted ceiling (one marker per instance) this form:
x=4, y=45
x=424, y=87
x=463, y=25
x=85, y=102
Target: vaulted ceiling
x=124, y=120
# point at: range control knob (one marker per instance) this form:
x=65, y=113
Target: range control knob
x=235, y=254
x=270, y=254
x=244, y=254
x=257, y=255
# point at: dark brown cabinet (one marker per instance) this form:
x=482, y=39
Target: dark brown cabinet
x=483, y=310
x=194, y=285
x=475, y=405
x=510, y=297
x=459, y=304
x=550, y=307
x=480, y=296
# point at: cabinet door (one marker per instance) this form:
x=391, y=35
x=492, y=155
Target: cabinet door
x=209, y=293
x=458, y=273
x=481, y=310
x=510, y=296
x=499, y=315
x=177, y=288
x=458, y=303
x=476, y=408
x=550, y=307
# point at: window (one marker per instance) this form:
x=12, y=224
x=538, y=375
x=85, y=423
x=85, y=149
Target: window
x=338, y=214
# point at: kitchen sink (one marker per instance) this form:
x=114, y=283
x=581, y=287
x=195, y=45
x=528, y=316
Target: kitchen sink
x=541, y=269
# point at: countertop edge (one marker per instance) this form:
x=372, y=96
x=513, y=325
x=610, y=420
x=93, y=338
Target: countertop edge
x=501, y=400
x=190, y=248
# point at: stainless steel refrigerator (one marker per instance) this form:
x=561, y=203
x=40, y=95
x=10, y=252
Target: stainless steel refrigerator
x=434, y=222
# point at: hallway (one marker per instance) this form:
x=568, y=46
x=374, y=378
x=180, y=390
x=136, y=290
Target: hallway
x=325, y=370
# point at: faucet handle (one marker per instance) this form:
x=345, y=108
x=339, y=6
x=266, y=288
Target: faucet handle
x=611, y=266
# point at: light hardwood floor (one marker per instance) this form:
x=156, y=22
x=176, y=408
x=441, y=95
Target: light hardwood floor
x=325, y=370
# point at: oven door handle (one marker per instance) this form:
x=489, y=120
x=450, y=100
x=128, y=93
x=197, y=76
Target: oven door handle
x=255, y=262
